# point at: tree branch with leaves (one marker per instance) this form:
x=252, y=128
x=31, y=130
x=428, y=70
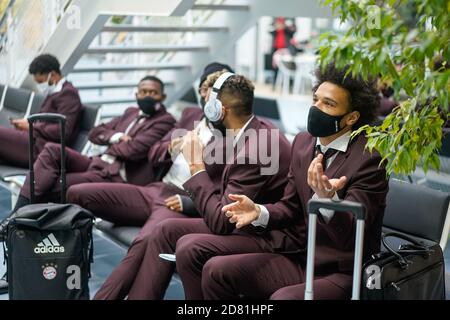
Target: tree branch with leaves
x=382, y=41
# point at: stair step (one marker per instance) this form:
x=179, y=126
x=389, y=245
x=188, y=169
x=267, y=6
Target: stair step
x=131, y=28
x=146, y=48
x=223, y=7
x=112, y=85
x=118, y=68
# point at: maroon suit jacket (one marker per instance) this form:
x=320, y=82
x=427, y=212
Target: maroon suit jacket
x=210, y=189
x=159, y=155
x=133, y=153
x=366, y=184
x=66, y=102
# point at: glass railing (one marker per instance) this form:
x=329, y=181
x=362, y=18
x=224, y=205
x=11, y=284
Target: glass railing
x=25, y=31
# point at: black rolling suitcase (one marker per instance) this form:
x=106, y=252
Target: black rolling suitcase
x=413, y=272
x=49, y=246
x=356, y=209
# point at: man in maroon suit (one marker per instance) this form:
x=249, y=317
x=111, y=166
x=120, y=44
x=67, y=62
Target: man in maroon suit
x=142, y=274
x=61, y=97
x=128, y=137
x=326, y=163
x=131, y=205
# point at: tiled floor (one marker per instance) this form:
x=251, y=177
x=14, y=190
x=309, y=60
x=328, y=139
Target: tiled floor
x=107, y=254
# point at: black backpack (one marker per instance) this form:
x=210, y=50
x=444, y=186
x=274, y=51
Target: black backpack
x=49, y=251
x=49, y=246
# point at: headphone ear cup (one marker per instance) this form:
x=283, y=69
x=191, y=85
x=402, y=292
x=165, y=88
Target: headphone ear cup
x=213, y=110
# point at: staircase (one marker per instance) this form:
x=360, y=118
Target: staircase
x=176, y=50
x=173, y=39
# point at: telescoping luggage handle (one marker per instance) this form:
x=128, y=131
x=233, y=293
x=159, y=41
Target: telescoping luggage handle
x=48, y=117
x=359, y=211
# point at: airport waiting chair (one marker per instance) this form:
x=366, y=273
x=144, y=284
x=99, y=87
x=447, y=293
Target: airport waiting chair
x=122, y=235
x=417, y=211
x=15, y=104
x=267, y=108
x=37, y=103
x=89, y=119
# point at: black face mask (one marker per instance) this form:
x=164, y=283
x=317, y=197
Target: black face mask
x=321, y=124
x=148, y=105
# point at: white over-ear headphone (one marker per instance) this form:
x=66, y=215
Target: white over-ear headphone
x=213, y=108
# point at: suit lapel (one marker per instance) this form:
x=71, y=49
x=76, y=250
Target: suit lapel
x=136, y=127
x=306, y=156
x=254, y=125
x=331, y=171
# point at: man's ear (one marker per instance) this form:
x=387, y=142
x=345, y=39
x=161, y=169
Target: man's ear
x=352, y=118
x=136, y=95
x=163, y=97
x=224, y=112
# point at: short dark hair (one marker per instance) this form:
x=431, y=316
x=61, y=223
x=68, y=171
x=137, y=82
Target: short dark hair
x=155, y=79
x=238, y=92
x=43, y=64
x=364, y=95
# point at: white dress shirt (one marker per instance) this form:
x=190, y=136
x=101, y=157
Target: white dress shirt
x=59, y=85
x=340, y=144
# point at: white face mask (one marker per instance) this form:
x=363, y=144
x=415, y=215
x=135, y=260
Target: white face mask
x=45, y=88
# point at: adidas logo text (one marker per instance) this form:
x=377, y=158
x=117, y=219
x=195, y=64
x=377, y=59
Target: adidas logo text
x=49, y=245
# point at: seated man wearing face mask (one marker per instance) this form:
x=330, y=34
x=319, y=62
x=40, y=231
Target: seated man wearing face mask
x=128, y=139
x=129, y=205
x=325, y=163
x=229, y=164
x=61, y=97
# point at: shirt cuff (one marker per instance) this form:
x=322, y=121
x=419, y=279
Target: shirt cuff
x=263, y=219
x=115, y=138
x=181, y=202
x=327, y=214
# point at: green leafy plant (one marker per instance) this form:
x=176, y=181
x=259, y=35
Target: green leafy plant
x=398, y=40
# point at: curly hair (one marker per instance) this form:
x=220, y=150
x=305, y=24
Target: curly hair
x=43, y=64
x=237, y=92
x=364, y=95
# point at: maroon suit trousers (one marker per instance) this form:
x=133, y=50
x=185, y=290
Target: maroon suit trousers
x=126, y=205
x=14, y=147
x=266, y=275
x=143, y=275
x=47, y=173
